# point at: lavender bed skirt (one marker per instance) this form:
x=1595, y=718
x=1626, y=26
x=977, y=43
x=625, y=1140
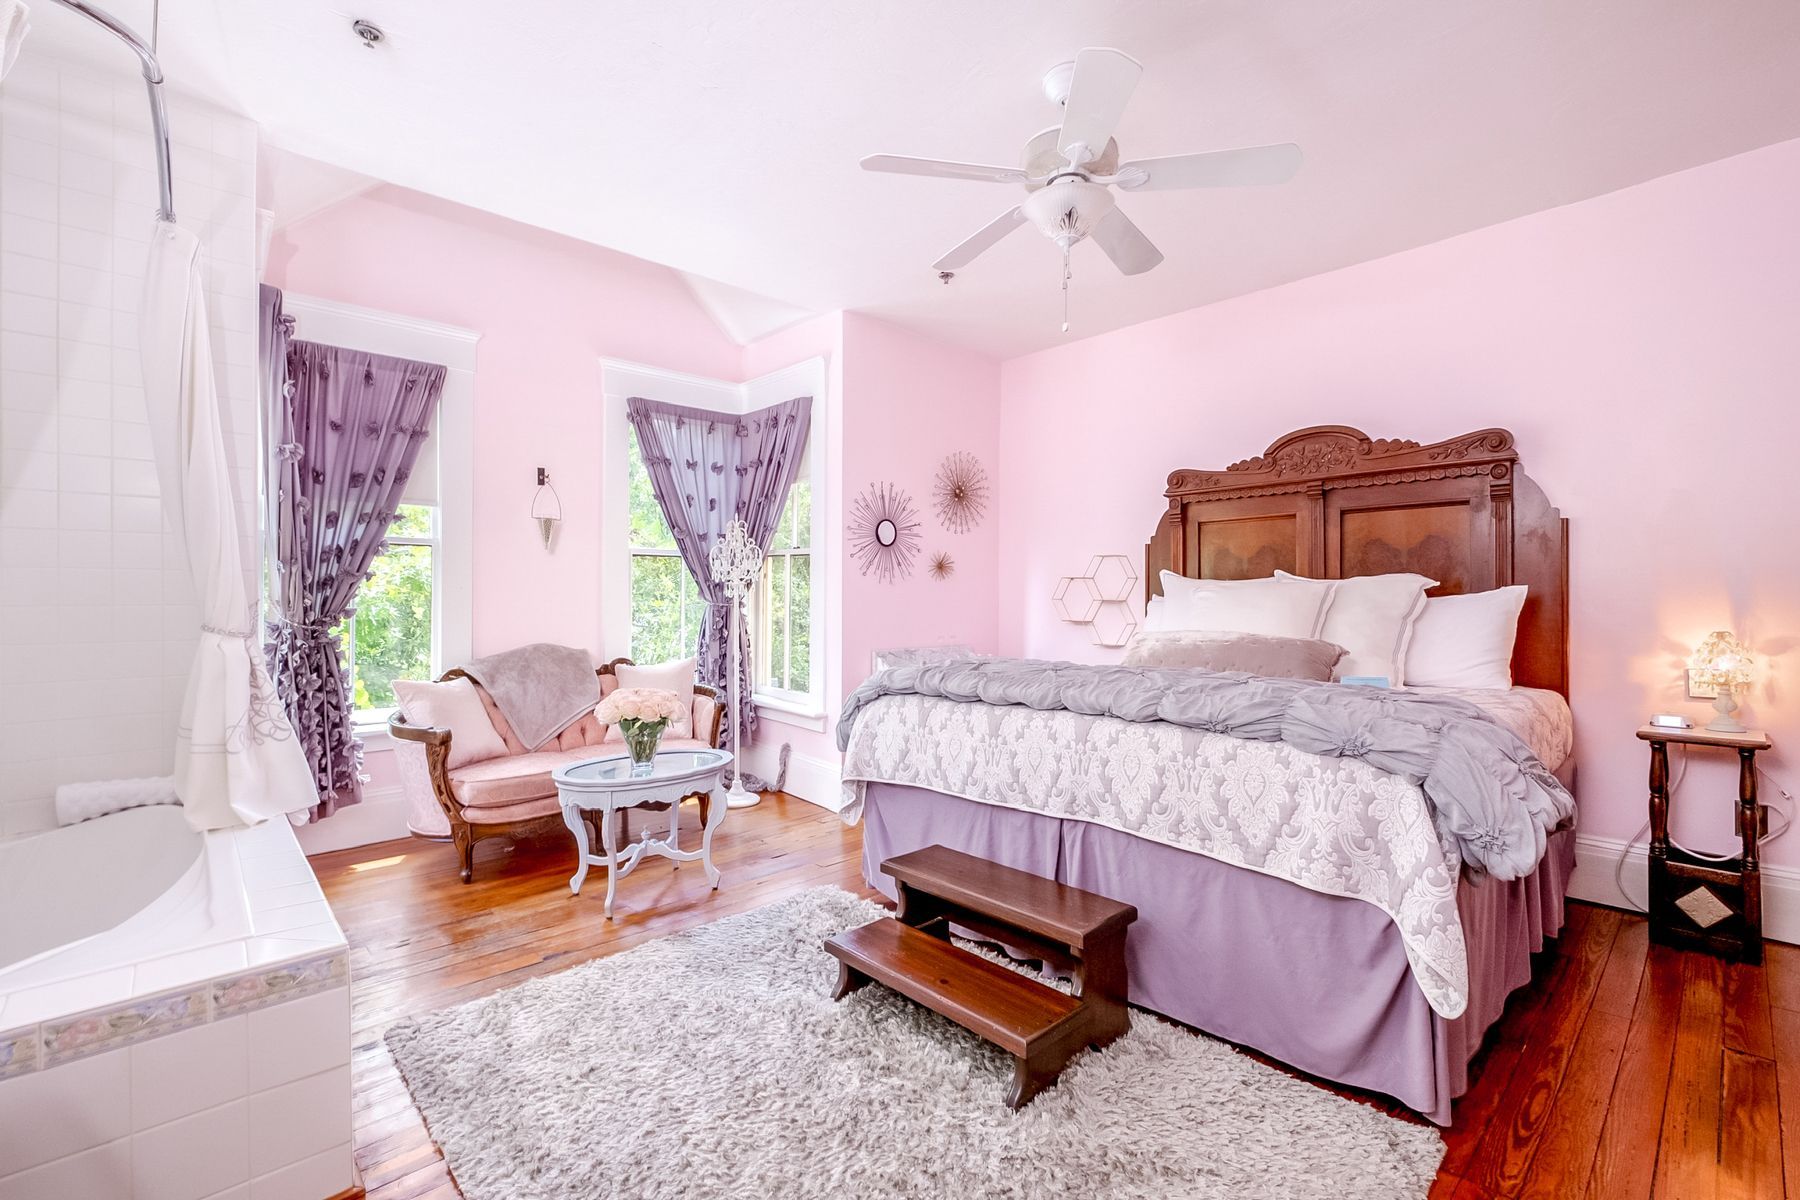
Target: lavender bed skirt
x=1319, y=982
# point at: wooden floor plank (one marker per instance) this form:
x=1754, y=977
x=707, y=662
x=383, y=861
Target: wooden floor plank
x=1781, y=964
x=1625, y=1159
x=1596, y=1077
x=1747, y=1010
x=1786, y=1022
x=1571, y=1134
x=1687, y=1165
x=1491, y=1073
x=1750, y=1137
x=1519, y=1120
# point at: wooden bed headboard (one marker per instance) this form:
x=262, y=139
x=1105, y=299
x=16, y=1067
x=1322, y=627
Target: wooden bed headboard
x=1331, y=502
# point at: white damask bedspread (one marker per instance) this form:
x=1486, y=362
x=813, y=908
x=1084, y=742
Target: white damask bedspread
x=1536, y=716
x=1333, y=825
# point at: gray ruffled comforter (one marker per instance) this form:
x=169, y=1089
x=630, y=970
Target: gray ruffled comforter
x=1489, y=793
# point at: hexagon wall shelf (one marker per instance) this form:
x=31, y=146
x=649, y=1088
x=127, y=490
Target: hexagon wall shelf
x=1113, y=576
x=1076, y=599
x=1114, y=624
x=1101, y=599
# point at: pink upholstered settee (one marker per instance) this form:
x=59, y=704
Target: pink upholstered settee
x=513, y=795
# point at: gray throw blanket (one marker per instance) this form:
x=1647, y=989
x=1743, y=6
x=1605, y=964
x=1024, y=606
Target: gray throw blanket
x=1489, y=793
x=540, y=689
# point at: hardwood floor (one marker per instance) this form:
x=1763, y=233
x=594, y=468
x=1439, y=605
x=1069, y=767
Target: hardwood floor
x=1624, y=1070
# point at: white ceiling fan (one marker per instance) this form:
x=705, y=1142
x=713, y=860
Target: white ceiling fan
x=1069, y=170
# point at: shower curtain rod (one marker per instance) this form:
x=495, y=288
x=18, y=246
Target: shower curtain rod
x=153, y=78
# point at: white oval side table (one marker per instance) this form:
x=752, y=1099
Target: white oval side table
x=606, y=785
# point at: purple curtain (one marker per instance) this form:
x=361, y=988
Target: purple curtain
x=345, y=439
x=706, y=468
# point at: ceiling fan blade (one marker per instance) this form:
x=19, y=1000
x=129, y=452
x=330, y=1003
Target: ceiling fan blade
x=1249, y=167
x=900, y=164
x=1104, y=80
x=1125, y=244
x=982, y=239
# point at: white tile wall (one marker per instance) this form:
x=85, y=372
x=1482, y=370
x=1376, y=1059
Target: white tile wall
x=97, y=621
x=250, y=1107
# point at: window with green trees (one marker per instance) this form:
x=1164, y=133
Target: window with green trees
x=389, y=636
x=666, y=609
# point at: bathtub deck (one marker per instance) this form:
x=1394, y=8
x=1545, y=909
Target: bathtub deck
x=1625, y=1070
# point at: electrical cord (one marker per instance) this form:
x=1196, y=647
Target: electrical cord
x=1787, y=822
x=1619, y=867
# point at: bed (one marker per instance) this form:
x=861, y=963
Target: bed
x=1339, y=982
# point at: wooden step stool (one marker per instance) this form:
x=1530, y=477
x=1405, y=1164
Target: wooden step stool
x=1073, y=931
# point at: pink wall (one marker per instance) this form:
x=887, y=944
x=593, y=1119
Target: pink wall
x=547, y=308
x=900, y=403
x=911, y=401
x=1642, y=346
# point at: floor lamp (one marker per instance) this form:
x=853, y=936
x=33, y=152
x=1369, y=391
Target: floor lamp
x=736, y=563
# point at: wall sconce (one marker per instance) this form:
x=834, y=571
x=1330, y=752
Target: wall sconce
x=1722, y=662
x=546, y=507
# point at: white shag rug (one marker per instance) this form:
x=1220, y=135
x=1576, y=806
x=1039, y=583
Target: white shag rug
x=713, y=1063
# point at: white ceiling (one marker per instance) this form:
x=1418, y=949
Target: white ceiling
x=722, y=138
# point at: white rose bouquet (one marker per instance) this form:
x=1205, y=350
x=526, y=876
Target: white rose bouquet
x=641, y=715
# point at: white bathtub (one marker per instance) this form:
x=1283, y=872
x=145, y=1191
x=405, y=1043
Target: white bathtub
x=159, y=988
x=105, y=893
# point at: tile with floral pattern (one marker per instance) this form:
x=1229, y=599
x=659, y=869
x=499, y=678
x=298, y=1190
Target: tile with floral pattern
x=18, y=1051
x=273, y=985
x=69, y=1038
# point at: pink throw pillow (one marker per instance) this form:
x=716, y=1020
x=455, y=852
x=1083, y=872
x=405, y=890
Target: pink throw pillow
x=454, y=705
x=677, y=677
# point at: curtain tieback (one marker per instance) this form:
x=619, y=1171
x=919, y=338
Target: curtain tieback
x=299, y=629
x=243, y=634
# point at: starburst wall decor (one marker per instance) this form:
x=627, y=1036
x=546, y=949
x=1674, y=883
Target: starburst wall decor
x=960, y=492
x=942, y=566
x=884, y=532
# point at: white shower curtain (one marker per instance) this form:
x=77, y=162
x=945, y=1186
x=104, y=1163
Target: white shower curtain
x=237, y=761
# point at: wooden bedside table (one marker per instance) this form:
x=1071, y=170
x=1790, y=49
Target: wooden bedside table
x=1696, y=902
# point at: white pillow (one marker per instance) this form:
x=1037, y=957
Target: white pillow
x=454, y=705
x=1466, y=641
x=1372, y=617
x=1274, y=607
x=677, y=677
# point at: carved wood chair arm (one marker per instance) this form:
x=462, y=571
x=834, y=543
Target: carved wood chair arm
x=425, y=735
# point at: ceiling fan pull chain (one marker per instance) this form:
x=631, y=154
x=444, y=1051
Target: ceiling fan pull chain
x=1065, y=327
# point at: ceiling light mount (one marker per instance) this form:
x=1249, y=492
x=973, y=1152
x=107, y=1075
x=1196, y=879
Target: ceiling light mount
x=368, y=31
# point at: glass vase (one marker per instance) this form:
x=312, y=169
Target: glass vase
x=641, y=738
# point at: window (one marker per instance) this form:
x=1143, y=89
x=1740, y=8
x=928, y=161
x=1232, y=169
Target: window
x=667, y=611
x=666, y=608
x=783, y=608
x=389, y=636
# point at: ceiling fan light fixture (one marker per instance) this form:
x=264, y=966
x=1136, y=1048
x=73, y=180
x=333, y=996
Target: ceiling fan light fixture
x=1067, y=209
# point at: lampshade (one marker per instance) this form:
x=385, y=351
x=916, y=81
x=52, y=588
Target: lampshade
x=1068, y=209
x=1722, y=661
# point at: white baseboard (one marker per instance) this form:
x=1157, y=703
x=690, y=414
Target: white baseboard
x=812, y=779
x=1597, y=874
x=381, y=817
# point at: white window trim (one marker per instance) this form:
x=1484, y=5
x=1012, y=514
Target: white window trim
x=379, y=332
x=621, y=380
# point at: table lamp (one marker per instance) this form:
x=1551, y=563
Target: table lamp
x=1722, y=662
